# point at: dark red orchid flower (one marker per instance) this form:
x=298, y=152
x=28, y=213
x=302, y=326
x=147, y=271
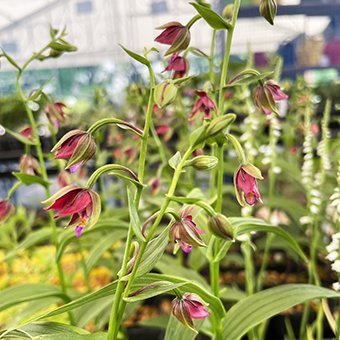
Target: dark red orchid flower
x=204, y=104
x=77, y=147
x=83, y=205
x=189, y=307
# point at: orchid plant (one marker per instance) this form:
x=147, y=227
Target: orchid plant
x=191, y=221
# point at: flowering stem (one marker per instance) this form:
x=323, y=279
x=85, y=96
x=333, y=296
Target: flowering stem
x=42, y=167
x=118, y=305
x=227, y=56
x=13, y=189
x=116, y=315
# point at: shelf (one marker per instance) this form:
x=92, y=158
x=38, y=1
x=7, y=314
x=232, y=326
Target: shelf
x=302, y=9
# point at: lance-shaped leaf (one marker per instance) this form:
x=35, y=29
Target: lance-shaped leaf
x=211, y=17
x=136, y=56
x=247, y=77
x=20, y=138
x=134, y=218
x=254, y=309
x=29, y=179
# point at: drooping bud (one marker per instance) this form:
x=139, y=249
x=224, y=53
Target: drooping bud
x=189, y=307
x=218, y=124
x=27, y=132
x=268, y=9
x=6, y=209
x=203, y=162
x=174, y=34
x=245, y=184
x=77, y=147
x=165, y=93
x=220, y=226
x=64, y=179
x=227, y=12
x=29, y=165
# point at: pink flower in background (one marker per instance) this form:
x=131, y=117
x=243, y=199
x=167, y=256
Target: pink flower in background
x=6, y=209
x=185, y=233
x=29, y=165
x=79, y=203
x=204, y=104
x=266, y=95
x=55, y=113
x=179, y=65
x=77, y=147
x=64, y=179
x=189, y=307
x=246, y=185
x=155, y=184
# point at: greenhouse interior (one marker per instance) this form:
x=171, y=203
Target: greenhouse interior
x=170, y=169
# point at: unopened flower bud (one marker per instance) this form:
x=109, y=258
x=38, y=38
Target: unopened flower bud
x=204, y=162
x=268, y=10
x=220, y=226
x=227, y=12
x=165, y=93
x=219, y=124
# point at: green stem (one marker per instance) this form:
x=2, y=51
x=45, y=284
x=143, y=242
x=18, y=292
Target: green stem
x=211, y=58
x=118, y=305
x=116, y=121
x=43, y=171
x=192, y=21
x=227, y=56
x=115, y=322
x=13, y=189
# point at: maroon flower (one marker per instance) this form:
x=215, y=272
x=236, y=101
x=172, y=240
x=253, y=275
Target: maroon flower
x=179, y=65
x=83, y=205
x=64, y=179
x=189, y=307
x=29, y=165
x=246, y=185
x=6, y=209
x=204, y=104
x=27, y=132
x=174, y=34
x=185, y=233
x=55, y=113
x=266, y=95
x=77, y=146
x=155, y=184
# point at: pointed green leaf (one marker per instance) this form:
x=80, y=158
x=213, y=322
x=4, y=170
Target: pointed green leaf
x=211, y=17
x=29, y=179
x=20, y=138
x=136, y=56
x=175, y=160
x=254, y=309
x=134, y=218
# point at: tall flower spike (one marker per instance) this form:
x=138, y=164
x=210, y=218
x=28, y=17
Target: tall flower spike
x=174, y=34
x=6, y=209
x=179, y=65
x=191, y=306
x=245, y=184
x=83, y=205
x=77, y=147
x=185, y=233
x=266, y=95
x=204, y=104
